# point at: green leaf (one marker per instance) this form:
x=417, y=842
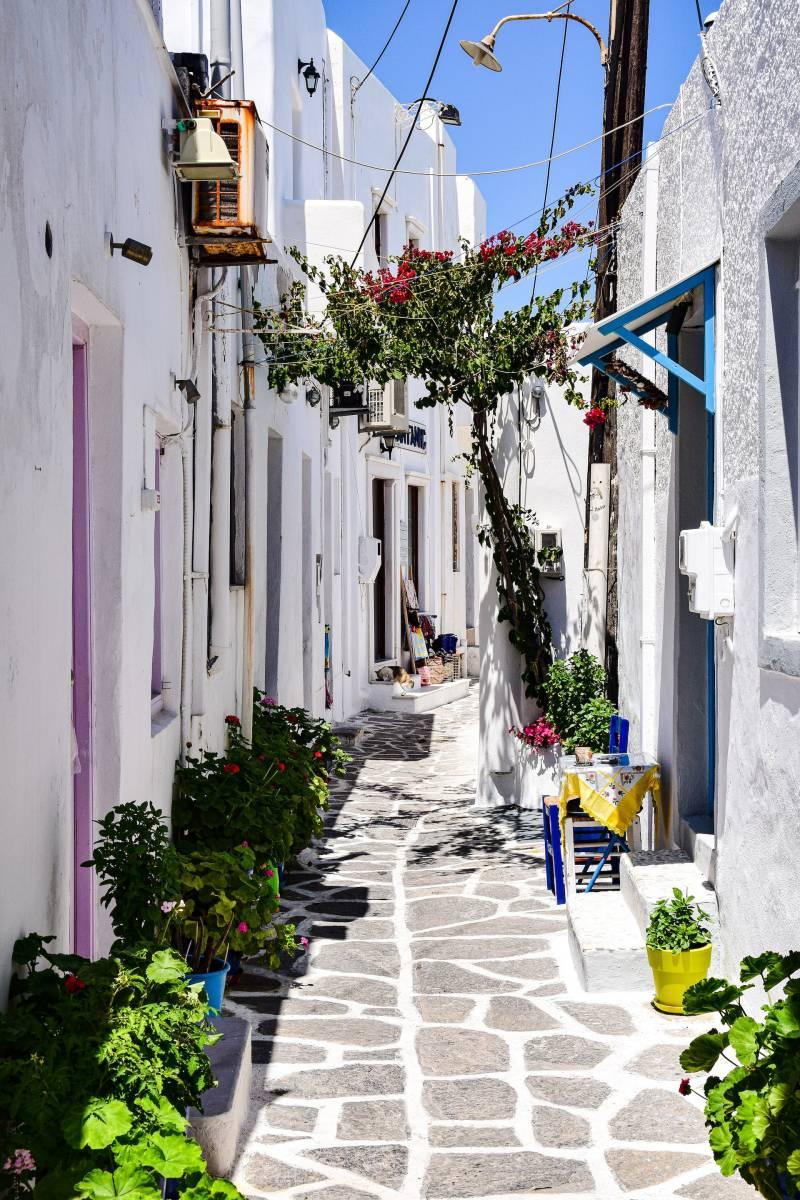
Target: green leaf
x=165, y=1114
x=97, y=1124
x=755, y=966
x=743, y=1037
x=711, y=995
x=703, y=1052
x=726, y=1157
x=783, y=1018
x=793, y=1164
x=753, y=1118
x=166, y=967
x=171, y=1155
x=129, y=1182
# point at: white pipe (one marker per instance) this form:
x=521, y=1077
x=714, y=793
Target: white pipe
x=647, y=658
x=219, y=564
x=594, y=629
x=186, y=642
x=198, y=318
x=248, y=364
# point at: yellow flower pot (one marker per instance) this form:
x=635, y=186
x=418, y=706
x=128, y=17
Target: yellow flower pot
x=674, y=972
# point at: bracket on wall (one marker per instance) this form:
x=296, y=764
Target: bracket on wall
x=626, y=328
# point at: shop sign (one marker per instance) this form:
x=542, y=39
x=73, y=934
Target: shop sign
x=416, y=438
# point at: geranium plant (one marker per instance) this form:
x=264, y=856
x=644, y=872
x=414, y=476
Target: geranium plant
x=677, y=924
x=98, y=1063
x=429, y=316
x=752, y=1111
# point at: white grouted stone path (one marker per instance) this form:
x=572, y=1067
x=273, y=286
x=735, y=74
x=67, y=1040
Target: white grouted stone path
x=434, y=1043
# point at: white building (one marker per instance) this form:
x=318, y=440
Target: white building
x=717, y=700
x=165, y=616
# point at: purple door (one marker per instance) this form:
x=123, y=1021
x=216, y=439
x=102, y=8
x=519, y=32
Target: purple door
x=81, y=657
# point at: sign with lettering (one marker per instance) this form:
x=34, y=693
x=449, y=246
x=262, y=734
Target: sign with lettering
x=416, y=438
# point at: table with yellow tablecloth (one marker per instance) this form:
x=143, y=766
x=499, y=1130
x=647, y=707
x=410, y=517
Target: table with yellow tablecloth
x=611, y=790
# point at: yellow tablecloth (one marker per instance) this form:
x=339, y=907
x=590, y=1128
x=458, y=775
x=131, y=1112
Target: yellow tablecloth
x=611, y=794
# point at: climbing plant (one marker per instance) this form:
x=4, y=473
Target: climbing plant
x=429, y=315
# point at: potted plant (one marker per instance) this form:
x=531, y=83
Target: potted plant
x=752, y=1112
x=98, y=1064
x=575, y=704
x=678, y=949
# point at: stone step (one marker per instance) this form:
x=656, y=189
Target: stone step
x=218, y=1127
x=647, y=876
x=419, y=700
x=606, y=944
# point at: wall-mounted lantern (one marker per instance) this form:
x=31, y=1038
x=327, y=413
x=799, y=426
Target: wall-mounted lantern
x=310, y=74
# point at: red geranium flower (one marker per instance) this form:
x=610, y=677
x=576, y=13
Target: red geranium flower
x=231, y=768
x=281, y=766
x=317, y=754
x=684, y=1087
x=231, y=719
x=73, y=984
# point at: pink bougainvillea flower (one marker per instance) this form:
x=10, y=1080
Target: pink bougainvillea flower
x=303, y=941
x=243, y=927
x=231, y=768
x=267, y=701
x=245, y=844
x=594, y=417
x=232, y=719
x=73, y=984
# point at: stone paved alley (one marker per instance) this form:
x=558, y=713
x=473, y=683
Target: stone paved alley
x=435, y=1043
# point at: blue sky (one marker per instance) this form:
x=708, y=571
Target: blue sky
x=507, y=117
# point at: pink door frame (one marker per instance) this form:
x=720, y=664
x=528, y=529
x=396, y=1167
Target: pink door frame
x=81, y=653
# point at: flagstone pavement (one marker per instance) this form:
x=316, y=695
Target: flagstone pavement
x=434, y=1042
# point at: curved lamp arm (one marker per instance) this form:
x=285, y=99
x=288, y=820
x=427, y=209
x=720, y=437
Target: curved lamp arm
x=552, y=16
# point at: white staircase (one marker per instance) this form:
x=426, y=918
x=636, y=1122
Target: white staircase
x=607, y=929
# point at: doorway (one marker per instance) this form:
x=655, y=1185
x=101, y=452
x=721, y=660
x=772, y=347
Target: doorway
x=82, y=757
x=380, y=626
x=414, y=520
x=695, y=716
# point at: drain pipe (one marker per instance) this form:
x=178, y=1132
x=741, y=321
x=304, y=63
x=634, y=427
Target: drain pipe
x=250, y=432
x=187, y=440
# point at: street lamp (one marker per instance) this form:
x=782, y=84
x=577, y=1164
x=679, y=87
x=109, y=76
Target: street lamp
x=448, y=114
x=482, y=52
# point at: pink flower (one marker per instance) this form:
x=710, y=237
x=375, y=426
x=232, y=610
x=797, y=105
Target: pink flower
x=168, y=906
x=245, y=844
x=269, y=874
x=303, y=941
x=20, y=1162
x=267, y=701
x=243, y=927
x=594, y=417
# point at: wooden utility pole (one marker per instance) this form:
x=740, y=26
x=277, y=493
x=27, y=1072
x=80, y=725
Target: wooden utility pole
x=619, y=165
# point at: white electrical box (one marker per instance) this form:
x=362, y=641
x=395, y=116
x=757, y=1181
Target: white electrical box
x=549, y=552
x=706, y=557
x=370, y=552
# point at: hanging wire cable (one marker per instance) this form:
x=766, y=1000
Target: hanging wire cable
x=699, y=14
x=386, y=46
x=552, y=138
x=527, y=166
x=410, y=133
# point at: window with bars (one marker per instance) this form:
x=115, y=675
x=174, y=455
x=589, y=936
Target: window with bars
x=456, y=527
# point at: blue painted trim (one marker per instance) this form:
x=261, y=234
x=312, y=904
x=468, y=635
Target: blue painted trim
x=709, y=343
x=711, y=658
x=664, y=360
x=614, y=323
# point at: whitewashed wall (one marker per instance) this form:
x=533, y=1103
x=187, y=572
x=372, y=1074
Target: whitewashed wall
x=81, y=147
x=723, y=184
x=553, y=470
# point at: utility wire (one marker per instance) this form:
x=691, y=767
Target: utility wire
x=699, y=14
x=539, y=162
x=552, y=138
x=386, y=46
x=410, y=133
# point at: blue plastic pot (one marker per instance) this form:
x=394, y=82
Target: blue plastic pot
x=214, y=984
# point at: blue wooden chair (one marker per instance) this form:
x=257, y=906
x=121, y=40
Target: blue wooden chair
x=618, y=735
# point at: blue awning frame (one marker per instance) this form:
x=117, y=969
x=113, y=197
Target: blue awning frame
x=626, y=329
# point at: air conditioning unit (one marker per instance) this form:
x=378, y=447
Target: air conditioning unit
x=229, y=216
x=549, y=552
x=347, y=399
x=388, y=407
x=369, y=558
x=707, y=558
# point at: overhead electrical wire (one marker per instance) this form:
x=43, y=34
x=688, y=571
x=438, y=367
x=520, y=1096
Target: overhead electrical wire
x=553, y=134
x=386, y=46
x=539, y=162
x=699, y=14
x=377, y=207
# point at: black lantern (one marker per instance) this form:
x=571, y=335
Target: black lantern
x=310, y=74
x=386, y=443
x=313, y=395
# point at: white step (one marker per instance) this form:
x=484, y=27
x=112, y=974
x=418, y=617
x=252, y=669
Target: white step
x=647, y=876
x=419, y=700
x=606, y=944
x=225, y=1107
